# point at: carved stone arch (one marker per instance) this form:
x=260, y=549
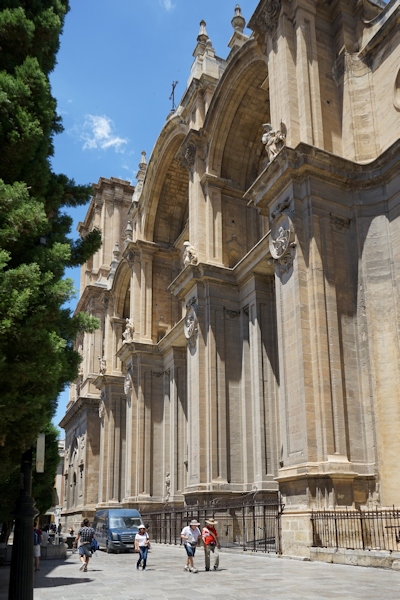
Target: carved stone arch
x=234, y=121
x=166, y=188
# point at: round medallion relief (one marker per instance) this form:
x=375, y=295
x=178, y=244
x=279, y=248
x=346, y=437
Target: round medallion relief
x=128, y=383
x=281, y=236
x=190, y=324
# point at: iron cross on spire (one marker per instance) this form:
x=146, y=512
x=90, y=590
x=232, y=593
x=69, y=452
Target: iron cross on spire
x=172, y=96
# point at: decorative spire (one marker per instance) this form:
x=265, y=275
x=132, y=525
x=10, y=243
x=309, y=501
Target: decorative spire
x=238, y=22
x=140, y=178
x=203, y=35
x=143, y=162
x=113, y=265
x=238, y=37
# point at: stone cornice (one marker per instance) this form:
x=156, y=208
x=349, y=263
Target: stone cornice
x=129, y=348
x=108, y=379
x=90, y=292
x=201, y=272
x=174, y=337
x=333, y=470
x=305, y=161
x=251, y=262
x=78, y=406
x=225, y=185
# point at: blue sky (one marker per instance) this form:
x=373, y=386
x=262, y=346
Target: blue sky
x=116, y=63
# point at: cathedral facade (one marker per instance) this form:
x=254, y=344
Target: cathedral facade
x=247, y=287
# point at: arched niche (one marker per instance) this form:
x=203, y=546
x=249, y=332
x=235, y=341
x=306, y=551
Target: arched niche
x=173, y=205
x=121, y=289
x=234, y=121
x=165, y=192
x=234, y=129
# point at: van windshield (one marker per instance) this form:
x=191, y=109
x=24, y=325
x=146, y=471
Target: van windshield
x=124, y=522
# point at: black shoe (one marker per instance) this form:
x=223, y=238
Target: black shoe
x=207, y=568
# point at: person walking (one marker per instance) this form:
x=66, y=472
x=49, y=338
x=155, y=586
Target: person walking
x=142, y=542
x=211, y=543
x=190, y=535
x=84, y=540
x=37, y=538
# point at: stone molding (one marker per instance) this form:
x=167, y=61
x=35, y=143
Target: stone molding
x=308, y=161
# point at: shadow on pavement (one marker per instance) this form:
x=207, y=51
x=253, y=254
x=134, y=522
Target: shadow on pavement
x=49, y=582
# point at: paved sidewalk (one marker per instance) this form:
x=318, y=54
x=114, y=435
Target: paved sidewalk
x=114, y=577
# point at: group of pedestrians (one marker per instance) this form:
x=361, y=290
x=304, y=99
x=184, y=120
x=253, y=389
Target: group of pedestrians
x=191, y=536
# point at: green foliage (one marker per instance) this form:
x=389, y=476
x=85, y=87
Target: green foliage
x=37, y=357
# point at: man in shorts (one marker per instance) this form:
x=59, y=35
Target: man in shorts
x=190, y=534
x=84, y=540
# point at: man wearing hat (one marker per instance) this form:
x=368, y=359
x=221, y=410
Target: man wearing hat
x=190, y=535
x=211, y=543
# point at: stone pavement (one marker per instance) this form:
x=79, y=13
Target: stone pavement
x=113, y=576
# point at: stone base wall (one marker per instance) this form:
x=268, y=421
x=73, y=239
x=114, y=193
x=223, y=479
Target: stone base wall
x=361, y=558
x=296, y=533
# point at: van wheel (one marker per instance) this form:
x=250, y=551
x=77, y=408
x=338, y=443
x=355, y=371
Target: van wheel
x=108, y=548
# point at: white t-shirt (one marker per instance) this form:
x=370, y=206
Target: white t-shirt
x=141, y=539
x=191, y=534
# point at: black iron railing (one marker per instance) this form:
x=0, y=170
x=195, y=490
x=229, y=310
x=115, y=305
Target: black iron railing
x=247, y=524
x=377, y=529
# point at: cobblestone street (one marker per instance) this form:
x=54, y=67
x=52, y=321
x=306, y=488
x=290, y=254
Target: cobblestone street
x=112, y=576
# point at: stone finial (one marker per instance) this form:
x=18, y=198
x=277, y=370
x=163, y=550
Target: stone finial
x=128, y=232
x=203, y=35
x=143, y=162
x=238, y=37
x=116, y=252
x=202, y=40
x=238, y=22
x=113, y=265
x=140, y=178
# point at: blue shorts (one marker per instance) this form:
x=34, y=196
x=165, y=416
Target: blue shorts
x=85, y=550
x=190, y=550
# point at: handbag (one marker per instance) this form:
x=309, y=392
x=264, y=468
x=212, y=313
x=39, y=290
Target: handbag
x=94, y=545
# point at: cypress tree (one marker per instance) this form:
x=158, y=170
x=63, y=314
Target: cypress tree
x=37, y=358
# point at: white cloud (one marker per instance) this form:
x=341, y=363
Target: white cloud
x=98, y=133
x=167, y=4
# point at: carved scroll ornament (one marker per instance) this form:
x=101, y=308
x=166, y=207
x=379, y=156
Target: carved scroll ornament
x=269, y=16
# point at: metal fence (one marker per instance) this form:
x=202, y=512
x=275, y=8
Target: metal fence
x=377, y=529
x=247, y=524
